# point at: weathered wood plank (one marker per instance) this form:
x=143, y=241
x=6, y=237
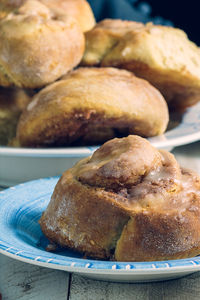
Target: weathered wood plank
x=186, y=288
x=21, y=281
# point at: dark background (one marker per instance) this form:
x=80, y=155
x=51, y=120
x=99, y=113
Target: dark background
x=181, y=14
x=184, y=15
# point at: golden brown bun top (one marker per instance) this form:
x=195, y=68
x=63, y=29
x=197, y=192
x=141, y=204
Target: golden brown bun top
x=93, y=96
x=143, y=177
x=38, y=46
x=30, y=16
x=155, y=45
x=118, y=28
x=111, y=89
x=120, y=162
x=78, y=9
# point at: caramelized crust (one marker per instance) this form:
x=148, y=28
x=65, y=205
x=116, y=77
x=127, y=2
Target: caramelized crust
x=149, y=211
x=78, y=9
x=114, y=165
x=38, y=45
x=162, y=55
x=89, y=101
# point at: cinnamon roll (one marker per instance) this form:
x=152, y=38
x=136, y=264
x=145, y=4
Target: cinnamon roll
x=38, y=45
x=90, y=106
x=128, y=202
x=162, y=55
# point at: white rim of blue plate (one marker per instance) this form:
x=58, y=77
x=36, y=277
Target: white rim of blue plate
x=23, y=196
x=186, y=132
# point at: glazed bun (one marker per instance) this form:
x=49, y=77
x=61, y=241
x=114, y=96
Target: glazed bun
x=162, y=55
x=78, y=9
x=127, y=202
x=90, y=106
x=37, y=46
x=12, y=103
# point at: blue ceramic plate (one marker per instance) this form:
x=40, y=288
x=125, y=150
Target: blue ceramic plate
x=21, y=238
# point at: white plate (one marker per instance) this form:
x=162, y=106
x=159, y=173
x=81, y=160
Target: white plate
x=23, y=164
x=22, y=239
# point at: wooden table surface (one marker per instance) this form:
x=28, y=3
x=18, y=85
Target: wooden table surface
x=21, y=281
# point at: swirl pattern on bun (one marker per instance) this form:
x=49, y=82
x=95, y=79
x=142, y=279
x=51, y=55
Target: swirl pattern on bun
x=90, y=106
x=129, y=202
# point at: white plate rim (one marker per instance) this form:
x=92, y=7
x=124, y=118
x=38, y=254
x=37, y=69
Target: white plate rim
x=179, y=269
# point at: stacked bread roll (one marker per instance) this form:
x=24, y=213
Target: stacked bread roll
x=162, y=55
x=89, y=106
x=42, y=41
x=66, y=81
x=127, y=202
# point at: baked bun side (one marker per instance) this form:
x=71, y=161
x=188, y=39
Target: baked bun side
x=81, y=222
x=149, y=211
x=162, y=55
x=150, y=237
x=78, y=9
x=12, y=103
x=89, y=102
x=37, y=46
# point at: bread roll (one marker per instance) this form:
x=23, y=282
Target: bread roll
x=162, y=55
x=91, y=105
x=37, y=46
x=12, y=103
x=127, y=202
x=78, y=9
